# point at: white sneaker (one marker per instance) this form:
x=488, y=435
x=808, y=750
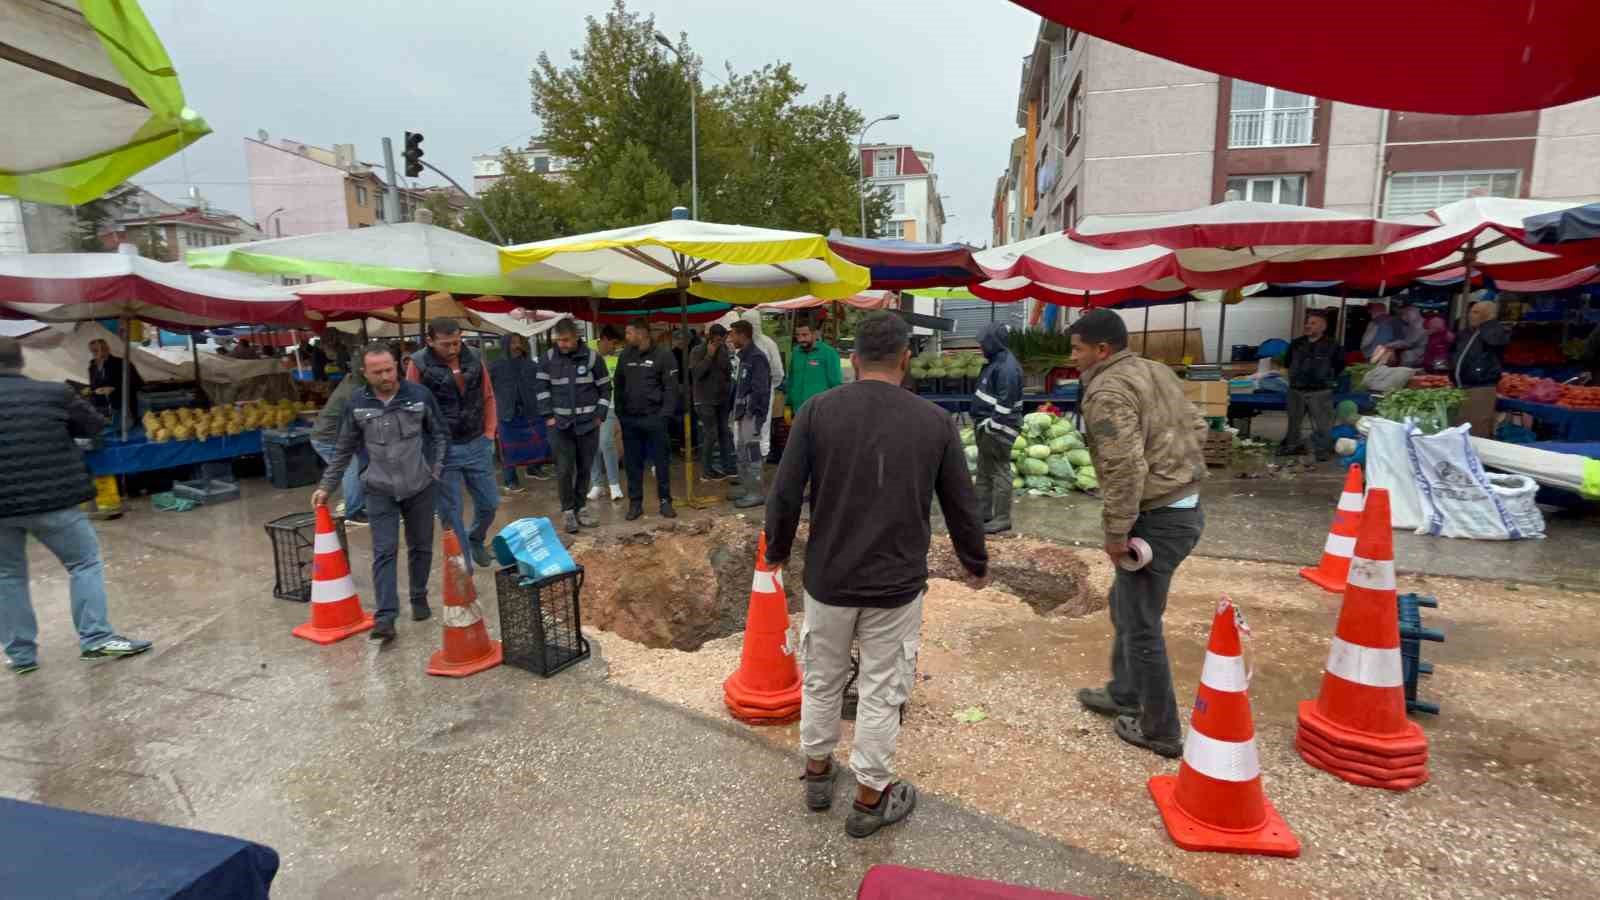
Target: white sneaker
x=596, y=492
x=616, y=492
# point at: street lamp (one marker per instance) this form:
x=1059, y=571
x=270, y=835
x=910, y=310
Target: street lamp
x=269, y=219
x=694, y=141
x=861, y=174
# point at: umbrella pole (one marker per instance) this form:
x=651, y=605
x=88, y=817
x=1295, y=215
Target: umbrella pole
x=194, y=357
x=1344, y=295
x=1184, y=353
x=127, y=363
x=688, y=404
x=1222, y=325
x=1144, y=342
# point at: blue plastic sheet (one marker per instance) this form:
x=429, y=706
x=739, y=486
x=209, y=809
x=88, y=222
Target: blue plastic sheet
x=49, y=852
x=532, y=546
x=139, y=455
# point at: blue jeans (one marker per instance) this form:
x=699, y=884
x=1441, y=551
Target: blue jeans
x=71, y=538
x=470, y=463
x=605, y=462
x=354, y=494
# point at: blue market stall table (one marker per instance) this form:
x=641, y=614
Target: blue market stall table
x=1064, y=398
x=49, y=852
x=1565, y=423
x=1248, y=406
x=140, y=455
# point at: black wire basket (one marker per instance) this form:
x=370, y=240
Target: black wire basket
x=294, y=550
x=540, y=620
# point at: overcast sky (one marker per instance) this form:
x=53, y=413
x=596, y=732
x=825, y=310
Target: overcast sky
x=353, y=71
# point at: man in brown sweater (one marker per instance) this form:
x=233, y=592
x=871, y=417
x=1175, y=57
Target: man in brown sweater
x=1146, y=439
x=875, y=456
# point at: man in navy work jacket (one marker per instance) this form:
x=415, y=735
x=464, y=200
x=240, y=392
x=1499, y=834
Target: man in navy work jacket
x=404, y=435
x=574, y=397
x=997, y=408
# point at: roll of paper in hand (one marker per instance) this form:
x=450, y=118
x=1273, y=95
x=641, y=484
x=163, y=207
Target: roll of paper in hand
x=1138, y=556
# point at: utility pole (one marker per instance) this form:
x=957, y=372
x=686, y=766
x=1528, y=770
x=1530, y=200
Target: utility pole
x=861, y=174
x=391, y=195
x=694, y=138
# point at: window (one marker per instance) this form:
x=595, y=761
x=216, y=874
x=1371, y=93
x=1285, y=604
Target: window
x=1269, y=189
x=1070, y=216
x=897, y=198
x=541, y=164
x=883, y=165
x=896, y=230
x=1075, y=111
x=1269, y=117
x=361, y=196
x=1416, y=192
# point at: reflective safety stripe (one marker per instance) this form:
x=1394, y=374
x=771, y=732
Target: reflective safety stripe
x=767, y=582
x=583, y=379
x=563, y=410
x=1339, y=545
x=561, y=381
x=326, y=543
x=1350, y=502
x=992, y=425
x=1222, y=760
x=985, y=398
x=1372, y=574
x=1002, y=410
x=543, y=375
x=542, y=395
x=332, y=591
x=585, y=409
x=1224, y=673
x=462, y=616
x=1370, y=666
x=603, y=381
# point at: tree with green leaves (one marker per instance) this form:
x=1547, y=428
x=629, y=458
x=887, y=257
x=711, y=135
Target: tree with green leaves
x=526, y=205
x=620, y=113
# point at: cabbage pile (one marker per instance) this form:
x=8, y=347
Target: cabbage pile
x=935, y=365
x=1048, y=459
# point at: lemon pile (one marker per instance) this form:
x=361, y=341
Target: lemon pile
x=191, y=424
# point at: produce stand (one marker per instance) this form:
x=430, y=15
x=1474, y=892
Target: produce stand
x=1566, y=424
x=138, y=454
x=1066, y=398
x=1248, y=406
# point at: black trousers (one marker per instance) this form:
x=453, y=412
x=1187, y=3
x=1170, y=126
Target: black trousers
x=1140, y=673
x=574, y=455
x=384, y=514
x=716, y=438
x=645, y=438
x=994, y=476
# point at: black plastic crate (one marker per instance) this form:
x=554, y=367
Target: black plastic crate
x=207, y=491
x=294, y=551
x=292, y=465
x=540, y=620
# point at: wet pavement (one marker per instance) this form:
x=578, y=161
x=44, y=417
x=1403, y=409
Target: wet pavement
x=373, y=779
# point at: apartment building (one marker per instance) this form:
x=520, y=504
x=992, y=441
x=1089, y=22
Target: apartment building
x=488, y=168
x=916, y=211
x=166, y=230
x=1107, y=130
x=300, y=188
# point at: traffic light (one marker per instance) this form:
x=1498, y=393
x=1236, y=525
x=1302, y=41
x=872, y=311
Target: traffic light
x=413, y=154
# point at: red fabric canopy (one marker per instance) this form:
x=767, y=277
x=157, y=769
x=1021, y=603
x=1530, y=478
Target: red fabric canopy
x=1469, y=57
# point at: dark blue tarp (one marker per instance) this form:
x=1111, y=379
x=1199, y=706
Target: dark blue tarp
x=1581, y=223
x=900, y=265
x=140, y=455
x=49, y=852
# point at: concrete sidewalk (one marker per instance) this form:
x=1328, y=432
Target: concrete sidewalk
x=373, y=779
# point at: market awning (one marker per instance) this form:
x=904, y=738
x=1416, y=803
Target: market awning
x=907, y=264
x=866, y=300
x=90, y=98
x=1571, y=225
x=1470, y=57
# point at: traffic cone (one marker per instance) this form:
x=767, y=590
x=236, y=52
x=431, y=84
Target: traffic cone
x=336, y=611
x=1330, y=573
x=1357, y=724
x=467, y=647
x=1215, y=802
x=765, y=689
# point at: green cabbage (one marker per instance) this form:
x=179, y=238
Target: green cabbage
x=1032, y=466
x=1060, y=467
x=1086, y=480
x=1038, y=451
x=1079, y=458
x=968, y=437
x=1061, y=428
x=1039, y=483
x=972, y=456
x=1038, y=422
x=1020, y=444
x=1060, y=444
x=1017, y=484
x=1075, y=441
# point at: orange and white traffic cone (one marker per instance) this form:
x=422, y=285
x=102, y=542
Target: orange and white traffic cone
x=1341, y=544
x=467, y=647
x=1357, y=727
x=336, y=611
x=765, y=689
x=1215, y=802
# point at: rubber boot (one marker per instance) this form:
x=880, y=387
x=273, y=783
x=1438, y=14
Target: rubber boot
x=753, y=495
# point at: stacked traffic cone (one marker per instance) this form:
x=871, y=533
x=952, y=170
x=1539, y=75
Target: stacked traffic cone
x=1341, y=543
x=765, y=690
x=1215, y=802
x=467, y=647
x=1357, y=727
x=335, y=609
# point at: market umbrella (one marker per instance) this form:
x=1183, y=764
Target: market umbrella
x=899, y=264
x=76, y=287
x=411, y=256
x=728, y=263
x=1475, y=57
x=90, y=98
x=1566, y=226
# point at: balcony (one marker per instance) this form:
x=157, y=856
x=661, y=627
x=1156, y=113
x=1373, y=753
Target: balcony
x=1271, y=127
